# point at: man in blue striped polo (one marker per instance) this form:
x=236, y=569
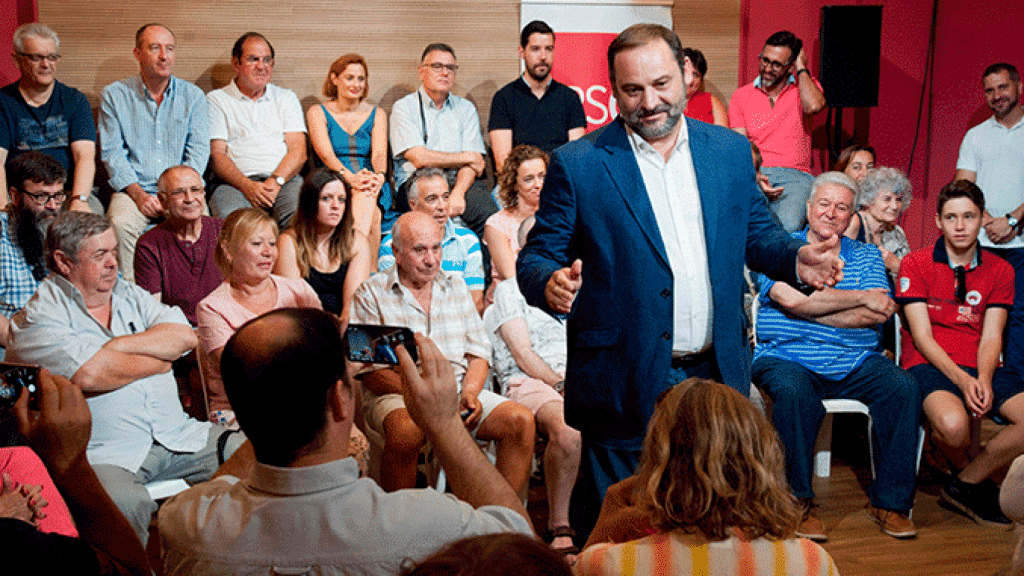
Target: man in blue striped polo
x=825, y=344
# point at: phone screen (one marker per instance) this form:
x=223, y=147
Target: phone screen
x=376, y=344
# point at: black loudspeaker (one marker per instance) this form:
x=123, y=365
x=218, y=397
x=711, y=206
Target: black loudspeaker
x=851, y=40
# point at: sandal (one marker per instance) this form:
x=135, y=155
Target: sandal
x=558, y=532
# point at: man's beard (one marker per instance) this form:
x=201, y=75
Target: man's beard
x=30, y=229
x=634, y=118
x=1003, y=109
x=539, y=78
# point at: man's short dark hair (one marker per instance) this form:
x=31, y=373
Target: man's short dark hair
x=142, y=30
x=639, y=35
x=961, y=189
x=36, y=167
x=236, y=50
x=697, y=59
x=279, y=392
x=535, y=27
x=437, y=47
x=786, y=39
x=1002, y=67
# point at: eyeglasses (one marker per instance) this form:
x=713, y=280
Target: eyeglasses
x=37, y=58
x=253, y=60
x=437, y=67
x=45, y=198
x=773, y=64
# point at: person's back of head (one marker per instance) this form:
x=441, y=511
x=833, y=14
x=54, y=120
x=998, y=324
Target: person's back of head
x=712, y=462
x=279, y=370
x=492, y=555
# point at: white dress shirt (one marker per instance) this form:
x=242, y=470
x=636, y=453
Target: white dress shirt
x=675, y=198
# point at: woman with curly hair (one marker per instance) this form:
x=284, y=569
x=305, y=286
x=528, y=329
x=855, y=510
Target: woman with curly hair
x=885, y=194
x=710, y=496
x=520, y=182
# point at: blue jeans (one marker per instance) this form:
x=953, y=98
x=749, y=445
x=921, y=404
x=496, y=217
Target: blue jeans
x=791, y=206
x=226, y=199
x=1013, y=338
x=893, y=398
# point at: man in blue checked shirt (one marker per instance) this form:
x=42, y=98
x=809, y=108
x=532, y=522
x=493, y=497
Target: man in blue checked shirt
x=148, y=123
x=826, y=345
x=37, y=194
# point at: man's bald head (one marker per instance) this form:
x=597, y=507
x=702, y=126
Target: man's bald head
x=416, y=242
x=278, y=372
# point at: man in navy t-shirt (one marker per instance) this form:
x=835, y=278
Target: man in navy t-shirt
x=39, y=113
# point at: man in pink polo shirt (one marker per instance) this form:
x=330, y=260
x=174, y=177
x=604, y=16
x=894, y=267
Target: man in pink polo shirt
x=775, y=112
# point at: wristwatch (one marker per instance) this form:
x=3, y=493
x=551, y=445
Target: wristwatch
x=81, y=198
x=279, y=179
x=1013, y=222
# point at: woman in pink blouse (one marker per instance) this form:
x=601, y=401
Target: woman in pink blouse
x=519, y=182
x=246, y=253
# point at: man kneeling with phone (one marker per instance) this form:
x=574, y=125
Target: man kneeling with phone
x=416, y=293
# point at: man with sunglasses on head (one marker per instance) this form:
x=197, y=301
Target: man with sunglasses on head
x=37, y=194
x=956, y=298
x=39, y=113
x=433, y=127
x=775, y=112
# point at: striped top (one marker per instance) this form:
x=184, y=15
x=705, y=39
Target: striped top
x=825, y=350
x=670, y=553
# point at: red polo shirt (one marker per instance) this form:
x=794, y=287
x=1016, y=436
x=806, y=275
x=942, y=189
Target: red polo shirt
x=925, y=276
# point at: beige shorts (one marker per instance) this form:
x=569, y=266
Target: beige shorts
x=531, y=392
x=376, y=408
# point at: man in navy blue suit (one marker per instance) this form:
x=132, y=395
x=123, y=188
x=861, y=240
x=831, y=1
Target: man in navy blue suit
x=642, y=233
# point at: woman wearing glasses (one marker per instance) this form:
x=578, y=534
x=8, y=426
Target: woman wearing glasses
x=350, y=136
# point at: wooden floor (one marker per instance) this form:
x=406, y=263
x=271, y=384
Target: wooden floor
x=947, y=543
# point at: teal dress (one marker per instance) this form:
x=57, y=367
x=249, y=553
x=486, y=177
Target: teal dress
x=354, y=151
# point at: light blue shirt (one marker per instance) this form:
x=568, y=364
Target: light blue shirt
x=825, y=350
x=454, y=127
x=139, y=140
x=56, y=331
x=460, y=252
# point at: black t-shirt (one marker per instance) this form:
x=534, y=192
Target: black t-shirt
x=51, y=128
x=544, y=123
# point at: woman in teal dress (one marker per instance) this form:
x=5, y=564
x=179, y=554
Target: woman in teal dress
x=351, y=137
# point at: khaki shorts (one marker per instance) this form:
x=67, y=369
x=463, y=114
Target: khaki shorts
x=376, y=408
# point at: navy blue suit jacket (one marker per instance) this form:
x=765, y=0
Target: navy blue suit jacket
x=594, y=206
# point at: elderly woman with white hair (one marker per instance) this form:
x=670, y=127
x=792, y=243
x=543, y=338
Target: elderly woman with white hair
x=884, y=197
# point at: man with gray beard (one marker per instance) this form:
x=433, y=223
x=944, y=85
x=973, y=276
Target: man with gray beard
x=37, y=194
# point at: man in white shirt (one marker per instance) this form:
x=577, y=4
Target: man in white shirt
x=257, y=136
x=302, y=508
x=992, y=156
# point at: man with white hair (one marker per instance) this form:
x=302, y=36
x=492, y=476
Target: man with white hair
x=39, y=113
x=811, y=347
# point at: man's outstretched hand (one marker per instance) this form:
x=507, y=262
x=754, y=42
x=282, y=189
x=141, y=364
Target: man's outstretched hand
x=818, y=266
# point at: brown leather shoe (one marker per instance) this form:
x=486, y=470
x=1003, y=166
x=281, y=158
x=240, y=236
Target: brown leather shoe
x=811, y=527
x=893, y=523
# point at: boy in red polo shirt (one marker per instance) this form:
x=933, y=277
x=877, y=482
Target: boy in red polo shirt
x=955, y=298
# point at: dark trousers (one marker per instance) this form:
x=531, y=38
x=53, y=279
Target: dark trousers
x=1013, y=341
x=893, y=399
x=602, y=466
